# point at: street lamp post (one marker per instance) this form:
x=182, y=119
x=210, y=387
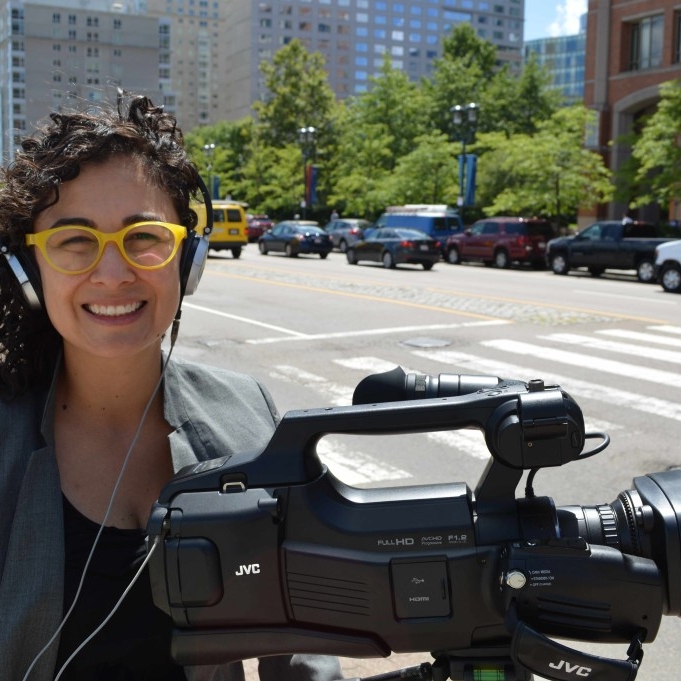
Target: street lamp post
x=306, y=137
x=465, y=119
x=209, y=151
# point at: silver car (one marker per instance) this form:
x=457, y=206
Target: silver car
x=346, y=231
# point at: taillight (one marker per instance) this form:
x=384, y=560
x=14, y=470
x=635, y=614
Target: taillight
x=407, y=244
x=354, y=230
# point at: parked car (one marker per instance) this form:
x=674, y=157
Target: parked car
x=257, y=226
x=392, y=247
x=609, y=244
x=500, y=241
x=293, y=237
x=668, y=265
x=346, y=231
x=229, y=226
x=438, y=221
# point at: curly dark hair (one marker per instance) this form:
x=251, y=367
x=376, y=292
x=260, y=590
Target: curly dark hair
x=29, y=344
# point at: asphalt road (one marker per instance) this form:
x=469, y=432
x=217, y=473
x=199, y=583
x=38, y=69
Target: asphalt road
x=311, y=329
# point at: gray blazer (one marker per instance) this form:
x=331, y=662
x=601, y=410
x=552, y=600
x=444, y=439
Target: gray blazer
x=214, y=412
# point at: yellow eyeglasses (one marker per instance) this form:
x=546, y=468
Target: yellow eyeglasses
x=74, y=249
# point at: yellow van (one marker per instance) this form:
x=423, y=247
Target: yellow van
x=230, y=230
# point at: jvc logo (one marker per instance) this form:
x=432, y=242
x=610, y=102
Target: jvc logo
x=252, y=569
x=571, y=668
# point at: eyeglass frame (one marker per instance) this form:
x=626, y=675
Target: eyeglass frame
x=39, y=240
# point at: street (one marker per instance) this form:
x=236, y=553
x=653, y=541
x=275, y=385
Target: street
x=311, y=329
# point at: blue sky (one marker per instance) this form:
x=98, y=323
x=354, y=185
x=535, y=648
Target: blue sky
x=550, y=18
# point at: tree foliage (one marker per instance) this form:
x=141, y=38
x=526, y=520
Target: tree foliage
x=658, y=150
x=396, y=142
x=548, y=173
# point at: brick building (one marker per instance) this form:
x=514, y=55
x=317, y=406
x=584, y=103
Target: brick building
x=632, y=47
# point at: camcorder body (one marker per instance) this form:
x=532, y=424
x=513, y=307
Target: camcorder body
x=265, y=553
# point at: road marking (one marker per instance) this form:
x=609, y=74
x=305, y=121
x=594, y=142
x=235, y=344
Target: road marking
x=341, y=395
x=245, y=320
x=575, y=387
x=612, y=346
x=666, y=329
x=643, y=337
x=355, y=468
x=607, y=366
x=377, y=332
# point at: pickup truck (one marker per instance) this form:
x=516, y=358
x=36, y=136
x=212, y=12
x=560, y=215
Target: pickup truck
x=611, y=245
x=668, y=266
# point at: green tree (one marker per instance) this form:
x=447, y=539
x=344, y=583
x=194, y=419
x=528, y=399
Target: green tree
x=658, y=150
x=549, y=173
x=299, y=95
x=428, y=174
x=460, y=76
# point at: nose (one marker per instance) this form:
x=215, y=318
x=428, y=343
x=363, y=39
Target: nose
x=112, y=269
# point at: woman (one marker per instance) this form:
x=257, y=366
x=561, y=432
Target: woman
x=100, y=248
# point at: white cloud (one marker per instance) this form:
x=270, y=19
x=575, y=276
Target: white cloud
x=567, y=17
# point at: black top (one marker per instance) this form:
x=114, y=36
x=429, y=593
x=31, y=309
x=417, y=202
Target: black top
x=135, y=643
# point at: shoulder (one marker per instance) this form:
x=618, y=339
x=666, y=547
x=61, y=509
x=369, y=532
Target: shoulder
x=229, y=409
x=208, y=382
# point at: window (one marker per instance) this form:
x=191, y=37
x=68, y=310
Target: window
x=677, y=38
x=645, y=43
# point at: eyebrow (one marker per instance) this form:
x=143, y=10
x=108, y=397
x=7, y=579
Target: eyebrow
x=85, y=222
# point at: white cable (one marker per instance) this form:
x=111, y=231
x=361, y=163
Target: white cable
x=173, y=338
x=157, y=541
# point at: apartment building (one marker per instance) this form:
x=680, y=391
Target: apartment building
x=632, y=46
x=201, y=58
x=355, y=35
x=55, y=54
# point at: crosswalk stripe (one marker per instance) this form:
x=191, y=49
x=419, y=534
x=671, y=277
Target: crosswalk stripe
x=575, y=387
x=586, y=361
x=666, y=329
x=613, y=346
x=642, y=337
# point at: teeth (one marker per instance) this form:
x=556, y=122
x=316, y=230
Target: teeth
x=113, y=310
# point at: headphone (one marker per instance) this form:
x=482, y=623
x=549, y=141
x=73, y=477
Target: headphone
x=192, y=260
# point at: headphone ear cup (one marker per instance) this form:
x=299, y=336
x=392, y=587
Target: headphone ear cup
x=194, y=256
x=26, y=273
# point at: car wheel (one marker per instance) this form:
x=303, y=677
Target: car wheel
x=343, y=246
x=501, y=259
x=596, y=271
x=350, y=255
x=236, y=252
x=427, y=266
x=645, y=271
x=453, y=257
x=670, y=278
x=323, y=255
x=289, y=251
x=262, y=247
x=388, y=261
x=559, y=264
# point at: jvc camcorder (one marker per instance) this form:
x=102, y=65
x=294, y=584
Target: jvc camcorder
x=267, y=553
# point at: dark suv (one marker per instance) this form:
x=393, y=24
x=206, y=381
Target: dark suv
x=500, y=241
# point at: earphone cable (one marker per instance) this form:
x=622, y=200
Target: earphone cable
x=157, y=541
x=173, y=338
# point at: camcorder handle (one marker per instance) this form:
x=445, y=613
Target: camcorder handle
x=526, y=426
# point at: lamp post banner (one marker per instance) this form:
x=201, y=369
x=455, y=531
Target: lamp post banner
x=471, y=168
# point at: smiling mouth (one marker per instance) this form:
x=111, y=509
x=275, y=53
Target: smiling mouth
x=113, y=310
